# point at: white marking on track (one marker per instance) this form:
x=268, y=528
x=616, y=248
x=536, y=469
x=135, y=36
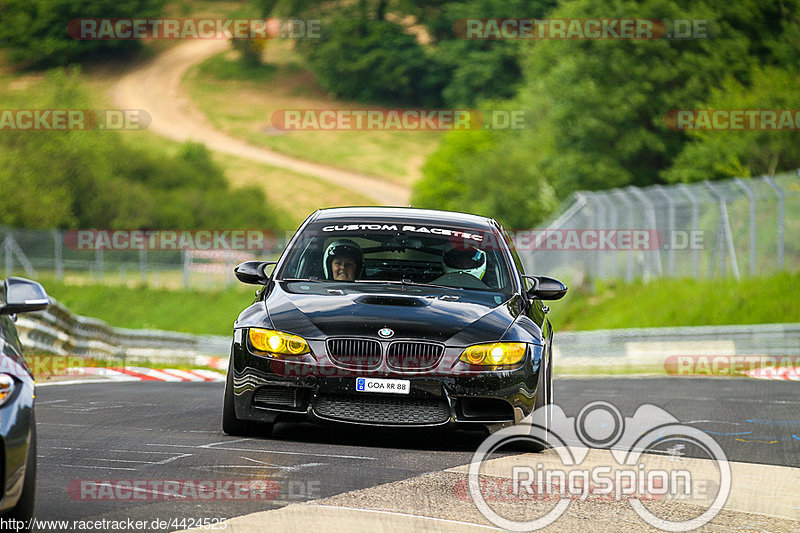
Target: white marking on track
x=139, y=489
x=170, y=459
x=122, y=461
x=98, y=467
x=315, y=454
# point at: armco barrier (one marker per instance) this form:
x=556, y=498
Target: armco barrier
x=57, y=331
x=648, y=348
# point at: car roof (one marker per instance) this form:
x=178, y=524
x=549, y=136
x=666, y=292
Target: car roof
x=410, y=214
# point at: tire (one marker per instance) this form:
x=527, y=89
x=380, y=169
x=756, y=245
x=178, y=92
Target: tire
x=545, y=385
x=232, y=425
x=23, y=511
x=544, y=399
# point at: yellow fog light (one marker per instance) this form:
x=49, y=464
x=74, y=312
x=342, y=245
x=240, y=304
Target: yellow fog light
x=494, y=354
x=277, y=342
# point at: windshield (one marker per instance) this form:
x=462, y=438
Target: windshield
x=401, y=253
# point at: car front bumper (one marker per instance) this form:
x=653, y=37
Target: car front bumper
x=268, y=390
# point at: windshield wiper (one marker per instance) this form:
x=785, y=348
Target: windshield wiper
x=301, y=279
x=409, y=283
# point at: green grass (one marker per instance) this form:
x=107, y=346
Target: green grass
x=221, y=68
x=189, y=311
x=240, y=101
x=681, y=302
x=661, y=303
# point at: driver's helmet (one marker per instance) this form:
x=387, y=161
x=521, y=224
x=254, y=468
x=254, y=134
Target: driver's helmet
x=342, y=248
x=466, y=260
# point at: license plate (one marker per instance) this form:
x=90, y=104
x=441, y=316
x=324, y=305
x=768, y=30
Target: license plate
x=390, y=386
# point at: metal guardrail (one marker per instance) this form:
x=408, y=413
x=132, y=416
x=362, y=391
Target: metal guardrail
x=650, y=348
x=57, y=331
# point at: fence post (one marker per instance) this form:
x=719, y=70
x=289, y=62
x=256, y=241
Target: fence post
x=725, y=228
x=629, y=205
x=59, y=265
x=693, y=199
x=651, y=212
x=598, y=214
x=671, y=229
x=752, y=199
x=7, y=252
x=99, y=261
x=10, y=249
x=187, y=265
x=610, y=214
x=781, y=214
x=143, y=264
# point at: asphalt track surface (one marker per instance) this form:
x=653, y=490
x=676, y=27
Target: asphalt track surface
x=171, y=431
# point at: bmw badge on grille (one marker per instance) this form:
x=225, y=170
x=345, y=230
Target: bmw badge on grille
x=385, y=333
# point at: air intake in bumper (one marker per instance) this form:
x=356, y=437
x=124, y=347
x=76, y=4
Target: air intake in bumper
x=279, y=397
x=383, y=410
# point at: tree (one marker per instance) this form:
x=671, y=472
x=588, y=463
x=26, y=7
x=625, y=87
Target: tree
x=726, y=154
x=36, y=30
x=69, y=179
x=371, y=60
x=488, y=173
x=598, y=106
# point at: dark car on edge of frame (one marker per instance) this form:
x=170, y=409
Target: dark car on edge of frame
x=17, y=419
x=436, y=324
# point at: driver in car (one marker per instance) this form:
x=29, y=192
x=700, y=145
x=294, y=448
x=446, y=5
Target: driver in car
x=343, y=260
x=464, y=261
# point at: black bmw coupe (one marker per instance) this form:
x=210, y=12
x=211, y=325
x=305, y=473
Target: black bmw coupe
x=391, y=317
x=17, y=415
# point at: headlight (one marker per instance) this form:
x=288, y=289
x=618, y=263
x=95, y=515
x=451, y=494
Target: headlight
x=277, y=342
x=6, y=388
x=494, y=354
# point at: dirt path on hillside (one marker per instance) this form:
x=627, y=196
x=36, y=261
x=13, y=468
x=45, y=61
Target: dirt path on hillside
x=155, y=87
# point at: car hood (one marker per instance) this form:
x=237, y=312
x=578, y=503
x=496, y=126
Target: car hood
x=457, y=319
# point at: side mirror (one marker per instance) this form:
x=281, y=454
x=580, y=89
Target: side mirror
x=545, y=288
x=253, y=272
x=23, y=296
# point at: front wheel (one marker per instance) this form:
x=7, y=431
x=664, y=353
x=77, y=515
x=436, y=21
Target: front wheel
x=23, y=511
x=543, y=406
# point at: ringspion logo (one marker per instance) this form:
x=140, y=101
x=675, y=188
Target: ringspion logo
x=637, y=459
